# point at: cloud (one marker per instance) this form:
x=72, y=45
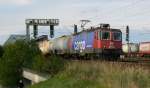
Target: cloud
x=16, y=2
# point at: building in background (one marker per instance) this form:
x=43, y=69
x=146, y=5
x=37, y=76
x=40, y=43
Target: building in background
x=13, y=38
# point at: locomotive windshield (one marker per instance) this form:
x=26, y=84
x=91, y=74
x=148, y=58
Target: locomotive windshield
x=117, y=36
x=105, y=35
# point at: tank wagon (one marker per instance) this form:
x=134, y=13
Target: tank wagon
x=60, y=45
x=136, y=49
x=144, y=49
x=98, y=41
x=43, y=44
x=131, y=49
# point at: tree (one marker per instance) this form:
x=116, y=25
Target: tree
x=1, y=51
x=15, y=57
x=10, y=66
x=25, y=54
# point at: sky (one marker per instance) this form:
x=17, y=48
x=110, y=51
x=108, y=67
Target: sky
x=118, y=13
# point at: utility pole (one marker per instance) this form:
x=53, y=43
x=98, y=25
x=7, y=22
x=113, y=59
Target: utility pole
x=127, y=39
x=75, y=29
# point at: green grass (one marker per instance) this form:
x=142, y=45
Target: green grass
x=96, y=74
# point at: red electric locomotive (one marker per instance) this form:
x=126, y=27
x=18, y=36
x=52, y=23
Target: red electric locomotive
x=101, y=41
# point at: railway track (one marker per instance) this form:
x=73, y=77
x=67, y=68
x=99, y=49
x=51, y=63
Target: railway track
x=135, y=60
x=131, y=60
x=140, y=62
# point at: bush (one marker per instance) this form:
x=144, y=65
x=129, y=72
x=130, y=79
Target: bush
x=33, y=52
x=56, y=64
x=51, y=64
x=38, y=62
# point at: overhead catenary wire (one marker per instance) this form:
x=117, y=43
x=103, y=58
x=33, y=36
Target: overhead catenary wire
x=118, y=9
x=112, y=18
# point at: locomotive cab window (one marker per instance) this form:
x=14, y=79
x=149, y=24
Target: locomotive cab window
x=117, y=36
x=105, y=35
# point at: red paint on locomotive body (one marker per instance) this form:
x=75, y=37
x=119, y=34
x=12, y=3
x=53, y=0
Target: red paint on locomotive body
x=117, y=43
x=96, y=41
x=102, y=42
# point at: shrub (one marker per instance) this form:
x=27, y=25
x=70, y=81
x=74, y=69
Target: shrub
x=38, y=62
x=32, y=53
x=51, y=64
x=56, y=64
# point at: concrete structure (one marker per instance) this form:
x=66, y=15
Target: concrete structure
x=33, y=77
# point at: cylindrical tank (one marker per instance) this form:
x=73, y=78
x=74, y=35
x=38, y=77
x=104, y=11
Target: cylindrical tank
x=145, y=47
x=44, y=46
x=60, y=43
x=131, y=47
x=51, y=45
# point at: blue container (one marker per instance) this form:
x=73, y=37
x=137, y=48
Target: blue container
x=83, y=41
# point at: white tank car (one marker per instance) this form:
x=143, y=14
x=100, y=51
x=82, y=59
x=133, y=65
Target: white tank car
x=131, y=47
x=50, y=45
x=60, y=44
x=44, y=46
x=145, y=47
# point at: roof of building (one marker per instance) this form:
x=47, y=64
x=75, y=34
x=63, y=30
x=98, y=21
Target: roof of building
x=13, y=38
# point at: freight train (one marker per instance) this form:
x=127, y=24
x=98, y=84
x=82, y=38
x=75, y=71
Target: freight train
x=101, y=41
x=141, y=49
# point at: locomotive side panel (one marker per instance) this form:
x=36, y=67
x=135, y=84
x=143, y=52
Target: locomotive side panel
x=117, y=39
x=83, y=42
x=89, y=42
x=79, y=42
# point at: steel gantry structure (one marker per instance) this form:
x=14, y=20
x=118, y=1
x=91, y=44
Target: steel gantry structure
x=40, y=22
